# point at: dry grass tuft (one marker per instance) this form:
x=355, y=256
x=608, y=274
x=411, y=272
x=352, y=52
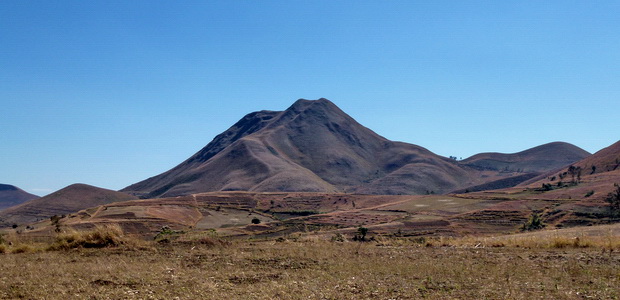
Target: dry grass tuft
x=106, y=236
x=24, y=248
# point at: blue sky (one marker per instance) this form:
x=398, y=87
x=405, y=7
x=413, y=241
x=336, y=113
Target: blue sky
x=111, y=92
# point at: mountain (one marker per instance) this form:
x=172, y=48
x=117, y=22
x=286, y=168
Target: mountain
x=313, y=146
x=538, y=159
x=12, y=195
x=67, y=200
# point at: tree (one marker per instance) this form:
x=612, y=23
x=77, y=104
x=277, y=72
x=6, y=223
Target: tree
x=255, y=220
x=614, y=200
x=574, y=172
x=361, y=234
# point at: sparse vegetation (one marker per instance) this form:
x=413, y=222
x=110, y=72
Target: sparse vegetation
x=438, y=268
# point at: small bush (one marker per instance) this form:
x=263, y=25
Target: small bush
x=588, y=194
x=255, y=220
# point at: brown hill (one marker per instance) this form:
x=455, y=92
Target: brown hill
x=593, y=176
x=313, y=146
x=605, y=160
x=12, y=195
x=538, y=159
x=67, y=200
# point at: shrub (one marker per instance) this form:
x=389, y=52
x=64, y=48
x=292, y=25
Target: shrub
x=360, y=235
x=255, y=220
x=100, y=237
x=588, y=194
x=534, y=223
x=166, y=234
x=547, y=187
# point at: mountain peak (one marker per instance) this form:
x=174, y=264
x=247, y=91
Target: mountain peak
x=304, y=104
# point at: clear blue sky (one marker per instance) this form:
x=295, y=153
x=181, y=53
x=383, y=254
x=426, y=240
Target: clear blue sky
x=111, y=92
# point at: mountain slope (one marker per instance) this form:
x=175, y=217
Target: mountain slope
x=313, y=146
x=67, y=200
x=605, y=160
x=12, y=195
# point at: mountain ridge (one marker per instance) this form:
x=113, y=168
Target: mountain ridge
x=66, y=200
x=314, y=146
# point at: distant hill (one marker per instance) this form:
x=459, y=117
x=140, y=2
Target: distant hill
x=538, y=159
x=67, y=200
x=11, y=195
x=313, y=146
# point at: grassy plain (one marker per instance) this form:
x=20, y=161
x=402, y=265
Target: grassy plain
x=204, y=267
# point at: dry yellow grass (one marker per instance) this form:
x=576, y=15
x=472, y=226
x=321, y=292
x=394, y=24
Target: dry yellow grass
x=531, y=242
x=311, y=268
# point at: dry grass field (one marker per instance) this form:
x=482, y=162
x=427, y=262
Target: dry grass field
x=202, y=266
